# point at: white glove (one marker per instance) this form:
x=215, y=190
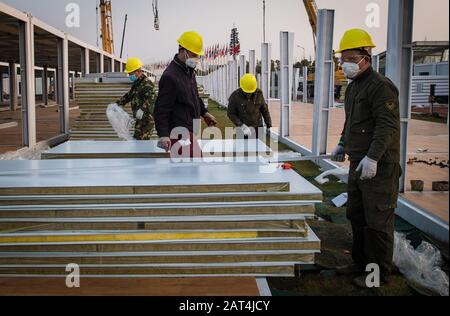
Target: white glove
x=368, y=168
x=139, y=114
x=246, y=130
x=338, y=154
x=164, y=143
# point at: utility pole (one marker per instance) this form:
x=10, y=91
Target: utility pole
x=264, y=21
x=123, y=35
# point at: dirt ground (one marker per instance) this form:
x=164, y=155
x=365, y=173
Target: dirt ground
x=334, y=230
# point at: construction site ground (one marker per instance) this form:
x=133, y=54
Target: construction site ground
x=427, y=142
x=332, y=228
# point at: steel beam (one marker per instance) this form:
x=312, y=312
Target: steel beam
x=265, y=69
x=101, y=64
x=296, y=83
x=13, y=93
x=399, y=66
x=376, y=63
x=45, y=85
x=26, y=49
x=252, y=62
x=63, y=84
x=1, y=87
x=85, y=61
x=242, y=66
x=323, y=81
x=286, y=62
x=305, y=84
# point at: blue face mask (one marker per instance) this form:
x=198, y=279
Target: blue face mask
x=132, y=78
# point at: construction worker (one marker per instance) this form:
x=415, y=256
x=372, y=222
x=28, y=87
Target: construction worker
x=142, y=99
x=247, y=107
x=371, y=139
x=178, y=103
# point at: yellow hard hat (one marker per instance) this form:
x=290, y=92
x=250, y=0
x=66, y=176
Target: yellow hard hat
x=249, y=83
x=133, y=64
x=193, y=42
x=354, y=39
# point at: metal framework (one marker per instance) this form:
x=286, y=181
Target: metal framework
x=34, y=40
x=323, y=95
x=285, y=83
x=399, y=66
x=265, y=69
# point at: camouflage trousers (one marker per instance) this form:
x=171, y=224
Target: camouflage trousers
x=371, y=210
x=144, y=130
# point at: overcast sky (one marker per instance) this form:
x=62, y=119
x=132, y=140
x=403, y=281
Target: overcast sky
x=214, y=20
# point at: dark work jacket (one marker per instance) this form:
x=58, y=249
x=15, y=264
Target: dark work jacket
x=178, y=102
x=250, y=111
x=372, y=125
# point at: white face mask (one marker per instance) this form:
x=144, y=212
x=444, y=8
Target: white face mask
x=191, y=62
x=351, y=70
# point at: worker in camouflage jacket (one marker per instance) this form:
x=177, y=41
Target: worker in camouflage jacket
x=371, y=139
x=142, y=97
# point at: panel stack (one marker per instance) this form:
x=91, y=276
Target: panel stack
x=153, y=218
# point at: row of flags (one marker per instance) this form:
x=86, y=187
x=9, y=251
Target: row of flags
x=214, y=55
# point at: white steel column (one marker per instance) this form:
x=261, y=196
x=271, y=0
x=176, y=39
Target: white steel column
x=63, y=84
x=286, y=62
x=45, y=85
x=13, y=93
x=85, y=61
x=252, y=62
x=26, y=50
x=376, y=63
x=272, y=86
x=399, y=66
x=113, y=65
x=265, y=69
x=102, y=64
x=242, y=66
x=323, y=81
x=296, y=84
x=305, y=84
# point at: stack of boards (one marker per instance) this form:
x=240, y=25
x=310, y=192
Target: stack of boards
x=151, y=217
x=93, y=94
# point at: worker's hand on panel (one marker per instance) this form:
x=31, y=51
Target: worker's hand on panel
x=139, y=114
x=210, y=120
x=368, y=168
x=165, y=143
x=338, y=154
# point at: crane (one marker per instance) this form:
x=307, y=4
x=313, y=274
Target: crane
x=156, y=14
x=313, y=11
x=107, y=26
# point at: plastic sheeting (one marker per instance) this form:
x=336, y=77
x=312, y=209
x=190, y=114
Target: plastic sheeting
x=421, y=266
x=26, y=153
x=120, y=121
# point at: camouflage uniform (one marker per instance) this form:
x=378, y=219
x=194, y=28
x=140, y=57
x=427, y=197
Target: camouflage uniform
x=142, y=97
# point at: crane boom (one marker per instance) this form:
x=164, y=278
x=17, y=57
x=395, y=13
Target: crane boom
x=312, y=10
x=107, y=26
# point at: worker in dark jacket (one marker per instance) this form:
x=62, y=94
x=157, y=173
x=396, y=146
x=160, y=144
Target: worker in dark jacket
x=142, y=99
x=371, y=139
x=247, y=107
x=178, y=103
